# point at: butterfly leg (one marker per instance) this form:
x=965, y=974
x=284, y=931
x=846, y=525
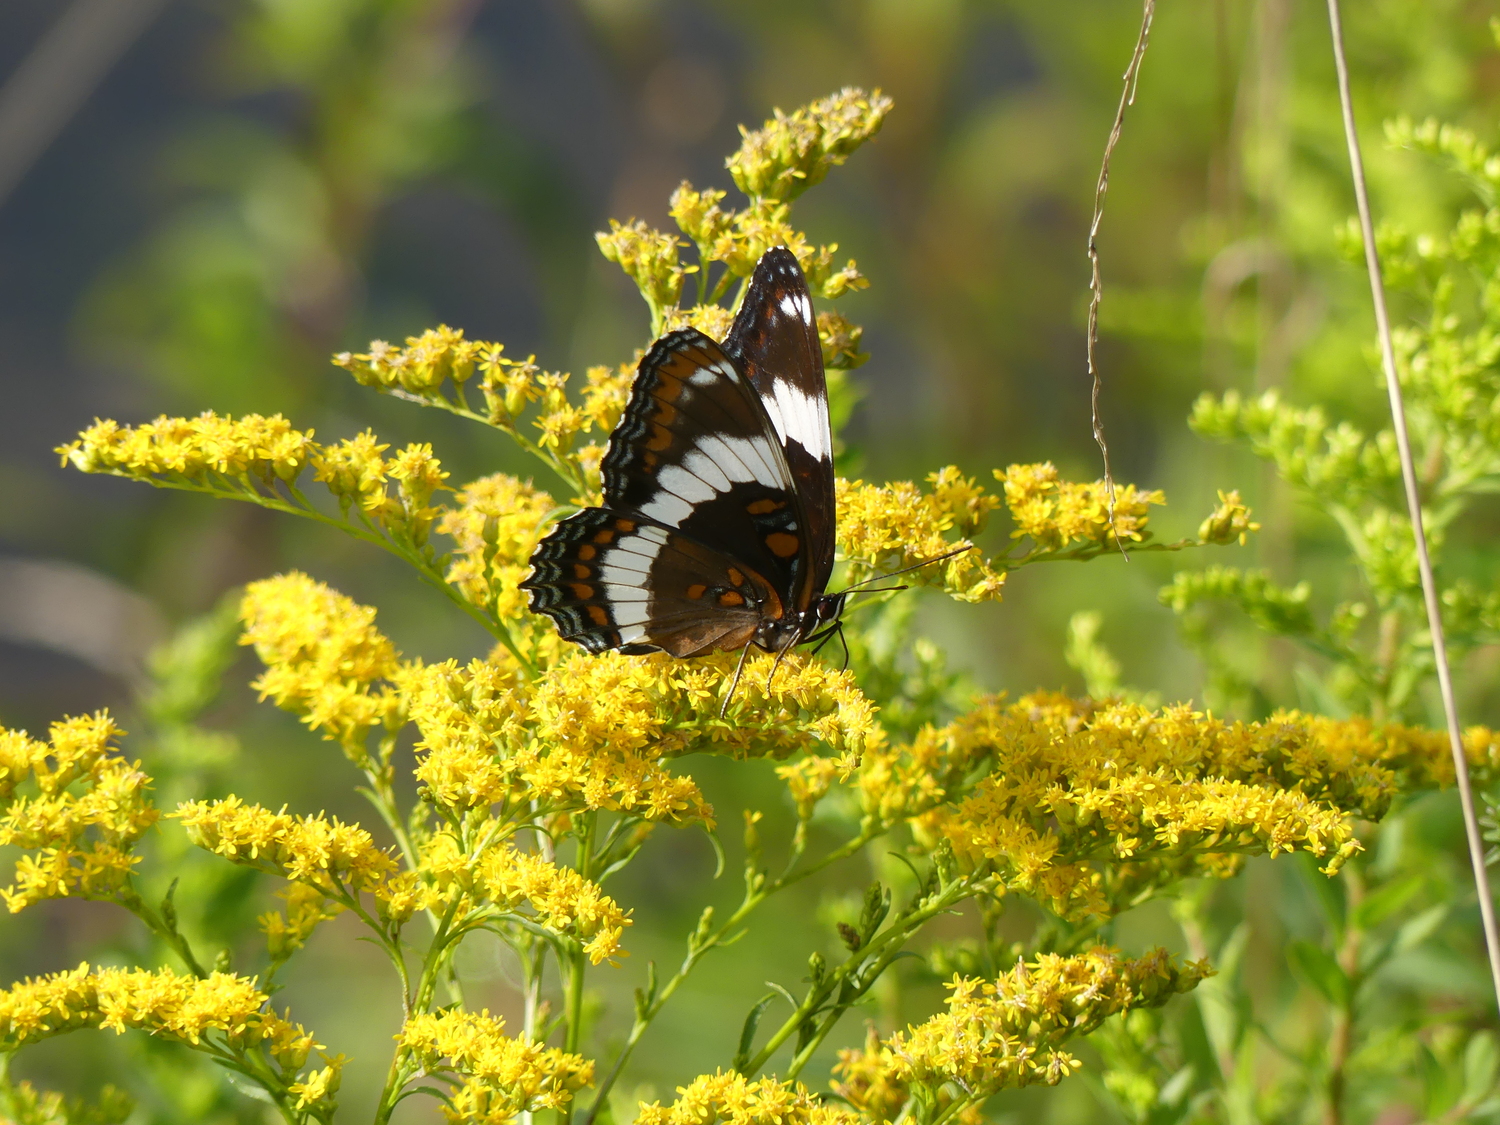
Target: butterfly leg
x=734, y=683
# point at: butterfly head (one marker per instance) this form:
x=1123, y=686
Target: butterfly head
x=784, y=633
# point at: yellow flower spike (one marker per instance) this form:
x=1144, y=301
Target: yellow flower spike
x=323, y=656
x=502, y=1076
x=1228, y=523
x=739, y=1100
x=649, y=258
x=221, y=1006
x=790, y=154
x=354, y=471
x=319, y=851
x=887, y=527
x=563, y=899
x=420, y=368
x=495, y=528
x=1085, y=806
x=306, y=909
x=1057, y=513
x=1008, y=1033
x=713, y=321
x=195, y=449
x=85, y=809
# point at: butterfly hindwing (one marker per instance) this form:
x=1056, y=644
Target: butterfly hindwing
x=775, y=342
x=614, y=581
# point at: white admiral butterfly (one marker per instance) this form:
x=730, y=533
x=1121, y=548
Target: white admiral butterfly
x=717, y=529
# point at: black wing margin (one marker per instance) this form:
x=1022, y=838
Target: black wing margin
x=775, y=341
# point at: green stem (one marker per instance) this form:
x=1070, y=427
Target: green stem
x=851, y=980
x=698, y=946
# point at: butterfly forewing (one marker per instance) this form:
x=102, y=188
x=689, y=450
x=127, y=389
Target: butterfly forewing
x=775, y=341
x=717, y=524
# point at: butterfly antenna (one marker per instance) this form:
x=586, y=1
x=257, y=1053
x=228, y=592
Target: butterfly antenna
x=907, y=569
x=878, y=589
x=734, y=683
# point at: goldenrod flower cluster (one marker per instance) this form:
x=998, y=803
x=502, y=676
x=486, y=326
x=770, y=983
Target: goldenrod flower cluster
x=222, y=1007
x=563, y=900
x=495, y=528
x=736, y=1100
x=195, y=449
x=1086, y=806
x=323, y=655
x=791, y=153
x=497, y=1076
x=30, y=1106
x=287, y=931
x=75, y=808
x=1006, y=1033
x=437, y=366
x=322, y=852
x=1055, y=513
x=890, y=526
x=262, y=459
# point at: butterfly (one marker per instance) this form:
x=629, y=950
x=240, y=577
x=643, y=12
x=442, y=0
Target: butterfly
x=717, y=528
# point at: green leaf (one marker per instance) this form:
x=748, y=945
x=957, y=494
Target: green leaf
x=1420, y=928
x=1481, y=1064
x=1316, y=966
x=752, y=1024
x=1376, y=908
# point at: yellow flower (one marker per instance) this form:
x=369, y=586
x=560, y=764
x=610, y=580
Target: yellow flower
x=887, y=527
x=323, y=656
x=1086, y=806
x=306, y=908
x=194, y=449
x=319, y=1086
x=649, y=258
x=322, y=852
x=354, y=471
x=1007, y=1033
x=498, y=1077
x=790, y=154
x=736, y=1100
x=183, y=1008
x=563, y=899
x=1056, y=513
x=1228, y=523
x=495, y=528
x=417, y=474
x=76, y=843
x=421, y=368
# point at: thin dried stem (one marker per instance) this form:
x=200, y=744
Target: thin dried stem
x=1414, y=506
x=1096, y=284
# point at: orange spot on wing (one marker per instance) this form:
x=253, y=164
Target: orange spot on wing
x=763, y=507
x=581, y=571
x=587, y=552
x=735, y=577
x=581, y=590
x=597, y=615
x=782, y=545
x=731, y=598
x=696, y=591
x=661, y=438
x=625, y=525
x=605, y=536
